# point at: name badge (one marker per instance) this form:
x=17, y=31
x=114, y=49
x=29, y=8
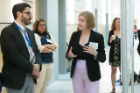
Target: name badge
x=49, y=40
x=94, y=45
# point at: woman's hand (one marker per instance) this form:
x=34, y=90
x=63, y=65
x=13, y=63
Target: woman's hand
x=111, y=39
x=89, y=49
x=46, y=50
x=70, y=54
x=52, y=47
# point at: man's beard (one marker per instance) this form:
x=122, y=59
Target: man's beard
x=25, y=20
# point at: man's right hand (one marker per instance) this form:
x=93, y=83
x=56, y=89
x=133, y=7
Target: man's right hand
x=35, y=71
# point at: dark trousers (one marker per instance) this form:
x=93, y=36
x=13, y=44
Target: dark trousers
x=0, y=86
x=136, y=35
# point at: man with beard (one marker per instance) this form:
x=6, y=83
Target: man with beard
x=21, y=57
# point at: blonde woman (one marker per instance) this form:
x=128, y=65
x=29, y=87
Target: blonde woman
x=46, y=45
x=85, y=71
x=114, y=55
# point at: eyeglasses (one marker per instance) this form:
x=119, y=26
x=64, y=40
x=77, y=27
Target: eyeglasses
x=42, y=25
x=28, y=13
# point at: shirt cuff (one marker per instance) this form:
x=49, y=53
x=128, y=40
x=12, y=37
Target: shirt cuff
x=41, y=48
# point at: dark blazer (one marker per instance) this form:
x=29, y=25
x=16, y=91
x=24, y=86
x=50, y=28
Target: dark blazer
x=1, y=82
x=93, y=67
x=138, y=48
x=111, y=52
x=16, y=56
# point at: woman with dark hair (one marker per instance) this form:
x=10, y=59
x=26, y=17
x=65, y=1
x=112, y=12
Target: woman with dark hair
x=46, y=45
x=114, y=55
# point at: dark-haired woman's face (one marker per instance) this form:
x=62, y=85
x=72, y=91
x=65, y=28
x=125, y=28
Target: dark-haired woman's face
x=41, y=27
x=117, y=24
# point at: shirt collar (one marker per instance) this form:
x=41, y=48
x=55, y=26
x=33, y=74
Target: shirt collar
x=20, y=25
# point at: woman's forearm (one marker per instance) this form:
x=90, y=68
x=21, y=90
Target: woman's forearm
x=52, y=47
x=110, y=41
x=46, y=50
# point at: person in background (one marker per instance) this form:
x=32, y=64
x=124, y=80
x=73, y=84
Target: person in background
x=46, y=45
x=87, y=48
x=135, y=32
x=115, y=51
x=21, y=57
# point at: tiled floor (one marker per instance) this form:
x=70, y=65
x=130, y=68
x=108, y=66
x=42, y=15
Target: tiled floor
x=64, y=84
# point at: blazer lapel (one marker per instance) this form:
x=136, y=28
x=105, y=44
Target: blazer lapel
x=18, y=32
x=92, y=36
x=76, y=41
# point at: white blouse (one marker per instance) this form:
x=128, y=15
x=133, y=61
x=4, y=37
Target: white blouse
x=38, y=41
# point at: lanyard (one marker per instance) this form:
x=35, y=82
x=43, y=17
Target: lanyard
x=28, y=40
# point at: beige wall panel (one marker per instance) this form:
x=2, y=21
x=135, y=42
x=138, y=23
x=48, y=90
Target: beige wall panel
x=36, y=9
x=6, y=12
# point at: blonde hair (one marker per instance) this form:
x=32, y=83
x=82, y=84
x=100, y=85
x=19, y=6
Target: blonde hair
x=78, y=28
x=90, y=20
x=113, y=23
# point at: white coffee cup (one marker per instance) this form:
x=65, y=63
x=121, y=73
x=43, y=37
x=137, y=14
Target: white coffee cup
x=119, y=36
x=114, y=36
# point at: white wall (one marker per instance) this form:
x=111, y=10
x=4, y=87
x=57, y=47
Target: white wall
x=6, y=12
x=102, y=16
x=112, y=7
x=136, y=12
x=114, y=10
x=6, y=15
x=73, y=9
